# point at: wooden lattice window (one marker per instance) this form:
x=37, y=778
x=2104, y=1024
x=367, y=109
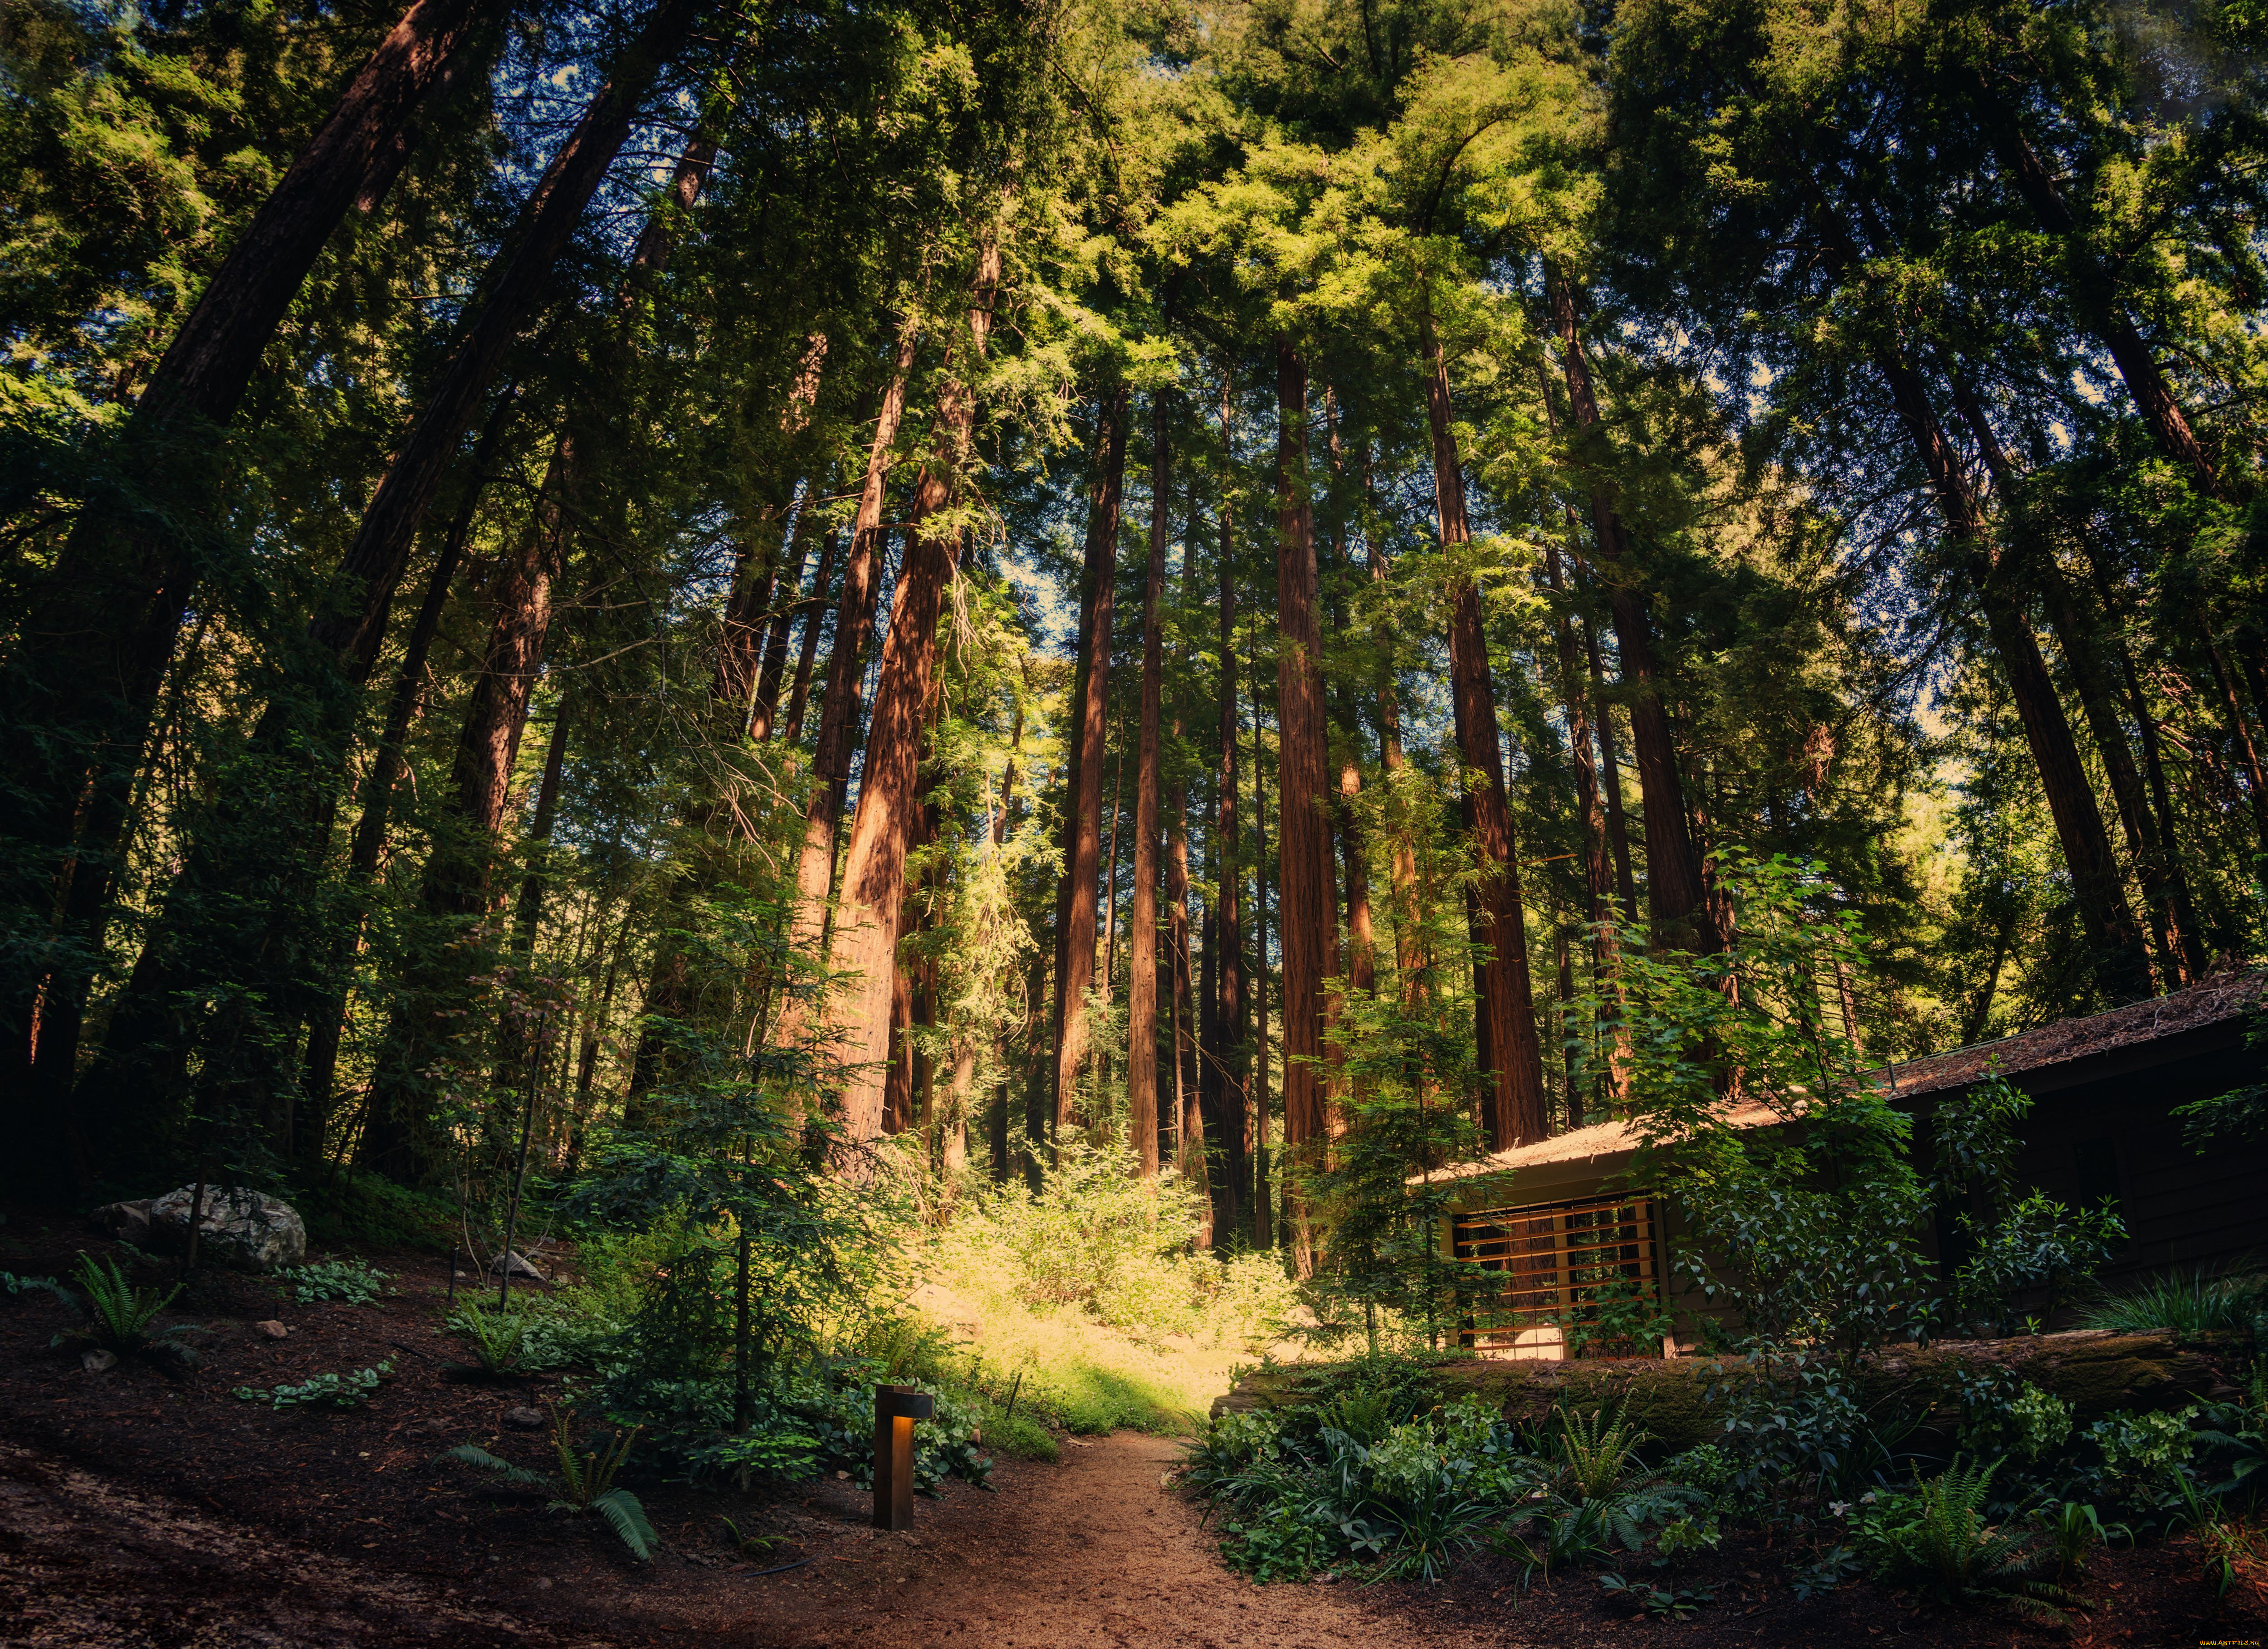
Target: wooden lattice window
x=1558, y=1261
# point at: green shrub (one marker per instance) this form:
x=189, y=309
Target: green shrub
x=584, y=1484
x=352, y=1281
x=369, y=1210
x=2198, y=1301
x=321, y=1391
x=119, y=1315
x=1934, y=1540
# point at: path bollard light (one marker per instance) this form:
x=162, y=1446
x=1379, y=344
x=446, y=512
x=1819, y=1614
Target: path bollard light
x=896, y=1407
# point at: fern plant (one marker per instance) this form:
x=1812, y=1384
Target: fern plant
x=496, y=1339
x=1935, y=1541
x=119, y=1314
x=584, y=1481
x=1594, y=1454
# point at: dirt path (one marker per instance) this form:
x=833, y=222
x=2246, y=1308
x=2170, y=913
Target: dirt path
x=1095, y=1550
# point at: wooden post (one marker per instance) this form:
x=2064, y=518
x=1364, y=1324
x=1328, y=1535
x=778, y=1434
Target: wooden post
x=896, y=1407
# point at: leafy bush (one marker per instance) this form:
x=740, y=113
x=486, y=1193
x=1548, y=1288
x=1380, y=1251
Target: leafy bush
x=352, y=1281
x=2037, y=1244
x=1660, y=1602
x=2199, y=1301
x=321, y=1391
x=1934, y=1540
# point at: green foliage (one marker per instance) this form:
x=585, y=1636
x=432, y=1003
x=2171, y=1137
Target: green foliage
x=1809, y=1228
x=119, y=1315
x=352, y=1281
x=338, y=1392
x=2037, y=1244
x=1933, y=1540
x=1596, y=1452
x=2197, y=1300
x=347, y=1206
x=2075, y=1530
x=17, y=1287
x=1659, y=1602
x=496, y=1339
x=584, y=1483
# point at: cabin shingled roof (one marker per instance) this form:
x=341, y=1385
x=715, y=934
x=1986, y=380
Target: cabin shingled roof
x=2214, y=1001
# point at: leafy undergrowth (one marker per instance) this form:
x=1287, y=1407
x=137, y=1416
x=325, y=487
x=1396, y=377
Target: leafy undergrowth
x=1088, y=1306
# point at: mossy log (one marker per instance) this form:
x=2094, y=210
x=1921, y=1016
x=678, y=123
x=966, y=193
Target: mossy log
x=2096, y=1371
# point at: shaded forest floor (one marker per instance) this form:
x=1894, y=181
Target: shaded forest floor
x=137, y=1509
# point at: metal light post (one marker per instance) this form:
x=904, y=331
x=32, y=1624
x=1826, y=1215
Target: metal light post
x=896, y=1407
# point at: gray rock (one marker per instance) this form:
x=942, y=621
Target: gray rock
x=520, y=1264
x=129, y=1222
x=524, y=1419
x=249, y=1229
x=98, y=1362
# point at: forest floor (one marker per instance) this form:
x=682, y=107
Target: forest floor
x=138, y=1509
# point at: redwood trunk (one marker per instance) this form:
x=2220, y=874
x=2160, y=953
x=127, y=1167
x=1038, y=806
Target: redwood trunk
x=1089, y=727
x=889, y=816
x=1513, y=1109
x=1222, y=1070
x=1304, y=881
x=1142, y=933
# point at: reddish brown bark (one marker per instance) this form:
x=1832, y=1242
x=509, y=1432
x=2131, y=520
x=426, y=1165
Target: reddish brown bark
x=1141, y=931
x=1191, y=1150
x=1610, y=771
x=889, y=813
x=1512, y=1112
x=1305, y=882
x=1089, y=727
x=838, y=707
x=1220, y=1074
x=1263, y=1215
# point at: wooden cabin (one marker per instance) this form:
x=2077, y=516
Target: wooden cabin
x=2100, y=1127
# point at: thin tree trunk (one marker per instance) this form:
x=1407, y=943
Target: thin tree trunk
x=1674, y=890
x=1263, y=1215
x=1514, y=1111
x=1142, y=934
x=1191, y=1150
x=1611, y=772
x=775, y=654
x=1089, y=726
x=1303, y=878
x=889, y=791
x=814, y=608
x=2095, y=879
x=1222, y=1072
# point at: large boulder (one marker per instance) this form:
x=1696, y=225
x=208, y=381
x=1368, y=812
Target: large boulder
x=247, y=1229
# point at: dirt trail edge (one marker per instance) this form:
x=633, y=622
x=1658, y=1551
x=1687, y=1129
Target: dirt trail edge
x=1095, y=1550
